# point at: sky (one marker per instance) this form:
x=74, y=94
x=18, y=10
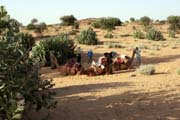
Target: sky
x=49, y=11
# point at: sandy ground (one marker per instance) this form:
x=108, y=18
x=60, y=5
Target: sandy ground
x=119, y=96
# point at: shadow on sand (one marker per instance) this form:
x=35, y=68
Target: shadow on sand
x=82, y=102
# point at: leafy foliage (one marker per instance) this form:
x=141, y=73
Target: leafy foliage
x=106, y=23
x=88, y=37
x=37, y=27
x=153, y=34
x=132, y=19
x=68, y=20
x=40, y=27
x=19, y=78
x=138, y=34
x=174, y=22
x=62, y=46
x=145, y=21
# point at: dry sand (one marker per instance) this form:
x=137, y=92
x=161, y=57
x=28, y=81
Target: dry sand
x=119, y=96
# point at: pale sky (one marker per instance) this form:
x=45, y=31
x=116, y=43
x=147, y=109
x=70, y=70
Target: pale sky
x=50, y=11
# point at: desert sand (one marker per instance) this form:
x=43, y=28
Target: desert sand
x=119, y=96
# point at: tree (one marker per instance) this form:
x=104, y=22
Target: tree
x=145, y=21
x=39, y=28
x=34, y=20
x=68, y=20
x=132, y=19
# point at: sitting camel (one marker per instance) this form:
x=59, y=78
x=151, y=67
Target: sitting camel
x=103, y=67
x=70, y=68
x=123, y=62
x=73, y=68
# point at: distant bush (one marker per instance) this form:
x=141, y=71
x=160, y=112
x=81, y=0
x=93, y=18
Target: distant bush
x=76, y=25
x=174, y=22
x=34, y=20
x=153, y=34
x=88, y=37
x=178, y=71
x=145, y=21
x=40, y=27
x=32, y=24
x=146, y=70
x=132, y=19
x=138, y=34
x=162, y=22
x=62, y=46
x=106, y=23
x=114, y=45
x=68, y=20
x=108, y=35
x=31, y=27
x=172, y=33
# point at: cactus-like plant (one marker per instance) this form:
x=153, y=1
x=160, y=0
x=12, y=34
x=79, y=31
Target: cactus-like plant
x=153, y=34
x=138, y=34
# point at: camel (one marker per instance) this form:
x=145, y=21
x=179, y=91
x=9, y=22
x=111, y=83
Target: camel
x=70, y=68
x=124, y=63
x=73, y=68
x=102, y=69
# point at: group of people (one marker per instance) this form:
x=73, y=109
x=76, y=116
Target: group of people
x=90, y=55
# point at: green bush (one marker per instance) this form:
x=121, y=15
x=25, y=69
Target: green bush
x=31, y=27
x=34, y=21
x=106, y=23
x=38, y=54
x=138, y=34
x=114, y=45
x=88, y=37
x=172, y=33
x=19, y=75
x=153, y=34
x=68, y=20
x=174, y=22
x=108, y=35
x=145, y=21
x=146, y=70
x=40, y=27
x=132, y=19
x=62, y=45
x=96, y=24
